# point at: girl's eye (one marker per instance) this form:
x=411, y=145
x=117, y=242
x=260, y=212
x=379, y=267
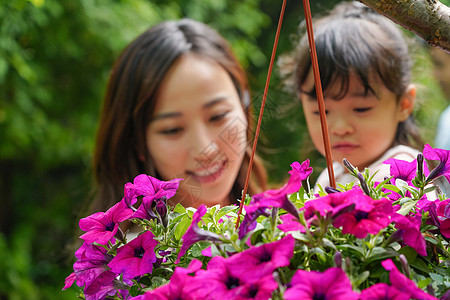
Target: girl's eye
x=362, y=109
x=218, y=117
x=171, y=131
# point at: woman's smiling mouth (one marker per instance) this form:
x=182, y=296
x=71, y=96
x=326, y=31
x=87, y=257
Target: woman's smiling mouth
x=210, y=173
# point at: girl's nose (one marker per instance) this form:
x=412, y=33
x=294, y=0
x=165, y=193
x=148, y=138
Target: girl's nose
x=341, y=126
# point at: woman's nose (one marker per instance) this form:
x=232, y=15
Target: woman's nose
x=203, y=147
x=341, y=126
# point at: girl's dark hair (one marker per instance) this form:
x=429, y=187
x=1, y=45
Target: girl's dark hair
x=354, y=39
x=130, y=100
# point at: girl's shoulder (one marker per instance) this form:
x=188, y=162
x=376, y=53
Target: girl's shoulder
x=401, y=152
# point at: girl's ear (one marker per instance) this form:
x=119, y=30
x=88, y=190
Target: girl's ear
x=407, y=102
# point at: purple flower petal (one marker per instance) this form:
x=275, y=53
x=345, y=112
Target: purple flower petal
x=443, y=169
x=257, y=262
x=333, y=283
x=404, y=170
x=382, y=291
x=135, y=258
x=102, y=227
x=369, y=216
x=278, y=198
x=404, y=284
x=144, y=185
x=411, y=234
x=442, y=211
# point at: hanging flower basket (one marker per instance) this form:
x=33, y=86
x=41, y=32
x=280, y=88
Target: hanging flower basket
x=371, y=240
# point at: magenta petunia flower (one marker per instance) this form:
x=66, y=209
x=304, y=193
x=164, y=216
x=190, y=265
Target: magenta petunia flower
x=256, y=262
x=195, y=234
x=443, y=215
x=333, y=204
x=153, y=208
x=409, y=228
x=135, y=258
x=101, y=227
x=404, y=170
x=249, y=222
x=148, y=186
x=302, y=170
x=383, y=291
x=217, y=282
x=369, y=216
x=290, y=223
x=102, y=287
x=261, y=289
x=91, y=271
x=443, y=156
x=278, y=198
x=404, y=284
x=178, y=286
x=333, y=284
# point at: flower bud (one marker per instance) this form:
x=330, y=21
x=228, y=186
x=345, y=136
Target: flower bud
x=405, y=265
x=305, y=185
x=338, y=259
x=395, y=237
x=363, y=183
x=331, y=190
x=419, y=165
x=161, y=209
x=430, y=291
x=349, y=167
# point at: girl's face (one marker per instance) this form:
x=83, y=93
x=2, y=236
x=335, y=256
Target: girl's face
x=198, y=131
x=361, y=127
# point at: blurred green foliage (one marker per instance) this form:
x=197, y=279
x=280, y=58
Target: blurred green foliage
x=55, y=56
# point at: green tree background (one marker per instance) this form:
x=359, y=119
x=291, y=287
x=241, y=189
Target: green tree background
x=55, y=56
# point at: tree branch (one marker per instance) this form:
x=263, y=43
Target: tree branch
x=429, y=19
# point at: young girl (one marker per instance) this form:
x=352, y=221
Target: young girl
x=365, y=71
x=177, y=106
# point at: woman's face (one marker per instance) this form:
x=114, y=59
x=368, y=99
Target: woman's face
x=198, y=131
x=361, y=127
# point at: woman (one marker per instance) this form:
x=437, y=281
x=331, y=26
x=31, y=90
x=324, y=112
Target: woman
x=177, y=106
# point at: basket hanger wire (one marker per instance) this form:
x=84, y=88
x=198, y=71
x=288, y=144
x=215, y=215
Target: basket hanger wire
x=318, y=85
x=319, y=93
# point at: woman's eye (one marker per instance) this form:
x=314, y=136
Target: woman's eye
x=218, y=117
x=171, y=131
x=362, y=109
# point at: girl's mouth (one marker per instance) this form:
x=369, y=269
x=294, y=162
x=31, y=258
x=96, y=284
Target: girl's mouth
x=344, y=147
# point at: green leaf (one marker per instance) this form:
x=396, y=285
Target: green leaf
x=431, y=239
x=409, y=252
x=436, y=277
x=158, y=281
x=361, y=278
x=328, y=243
x=419, y=264
x=300, y=236
x=197, y=249
x=223, y=211
x=423, y=283
x=407, y=207
x=179, y=209
x=379, y=253
x=430, y=189
x=134, y=291
x=393, y=188
x=181, y=228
